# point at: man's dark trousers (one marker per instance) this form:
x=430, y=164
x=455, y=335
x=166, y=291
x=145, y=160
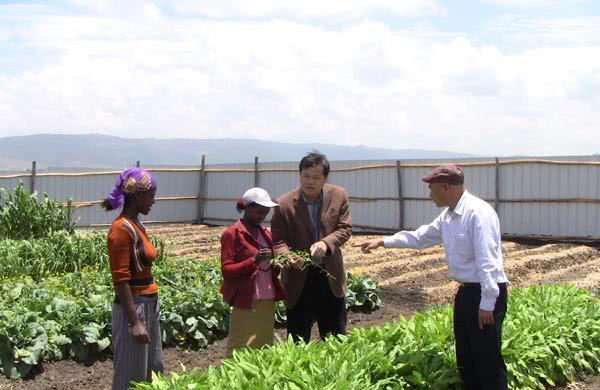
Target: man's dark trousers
x=317, y=303
x=479, y=352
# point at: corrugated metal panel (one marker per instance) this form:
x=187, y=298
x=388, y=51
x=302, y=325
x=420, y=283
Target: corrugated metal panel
x=220, y=210
x=545, y=219
x=382, y=214
x=542, y=181
x=174, y=211
x=278, y=183
x=371, y=183
x=177, y=183
x=419, y=212
x=412, y=185
x=80, y=188
x=380, y=182
x=228, y=184
x=94, y=215
x=517, y=181
x=481, y=181
x=162, y=211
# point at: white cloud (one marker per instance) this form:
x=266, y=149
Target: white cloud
x=364, y=84
x=286, y=9
x=537, y=32
x=131, y=9
x=534, y=3
x=4, y=35
x=306, y=9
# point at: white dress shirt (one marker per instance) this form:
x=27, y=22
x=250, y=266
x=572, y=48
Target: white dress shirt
x=471, y=237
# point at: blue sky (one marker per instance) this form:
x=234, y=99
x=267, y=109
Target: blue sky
x=495, y=77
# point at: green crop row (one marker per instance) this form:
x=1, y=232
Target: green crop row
x=69, y=315
x=23, y=215
x=57, y=253
x=552, y=334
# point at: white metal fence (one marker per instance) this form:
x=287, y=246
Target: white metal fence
x=553, y=197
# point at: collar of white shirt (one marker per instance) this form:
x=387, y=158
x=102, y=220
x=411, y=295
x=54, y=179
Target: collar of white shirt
x=460, y=206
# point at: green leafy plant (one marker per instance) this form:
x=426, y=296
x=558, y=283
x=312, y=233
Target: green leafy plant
x=552, y=334
x=363, y=293
x=23, y=215
x=59, y=252
x=69, y=315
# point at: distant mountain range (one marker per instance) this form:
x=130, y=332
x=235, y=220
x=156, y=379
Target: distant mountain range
x=93, y=150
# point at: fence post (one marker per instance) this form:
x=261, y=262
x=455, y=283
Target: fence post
x=256, y=179
x=400, y=197
x=33, y=176
x=201, y=192
x=497, y=188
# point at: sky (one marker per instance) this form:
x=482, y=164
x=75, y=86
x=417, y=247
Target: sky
x=489, y=77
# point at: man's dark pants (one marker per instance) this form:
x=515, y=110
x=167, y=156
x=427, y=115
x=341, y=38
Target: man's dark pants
x=479, y=352
x=317, y=303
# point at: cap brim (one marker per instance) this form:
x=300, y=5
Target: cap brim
x=267, y=204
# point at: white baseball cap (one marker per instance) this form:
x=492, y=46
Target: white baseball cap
x=259, y=196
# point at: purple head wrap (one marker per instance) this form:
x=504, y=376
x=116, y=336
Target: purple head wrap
x=132, y=181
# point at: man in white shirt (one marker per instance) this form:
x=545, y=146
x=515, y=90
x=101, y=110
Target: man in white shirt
x=470, y=231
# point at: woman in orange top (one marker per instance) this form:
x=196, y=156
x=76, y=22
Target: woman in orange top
x=136, y=336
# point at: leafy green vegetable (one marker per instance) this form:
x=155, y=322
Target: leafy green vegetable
x=23, y=215
x=69, y=315
x=57, y=253
x=552, y=333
